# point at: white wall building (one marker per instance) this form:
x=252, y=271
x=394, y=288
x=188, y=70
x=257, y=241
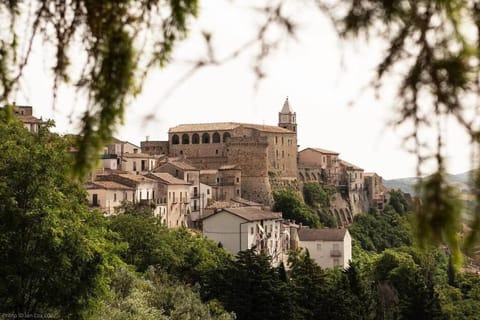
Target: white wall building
x=243, y=228
x=328, y=247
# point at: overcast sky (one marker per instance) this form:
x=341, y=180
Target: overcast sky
x=320, y=75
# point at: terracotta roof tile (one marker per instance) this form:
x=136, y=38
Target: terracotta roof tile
x=306, y=234
x=324, y=151
x=167, y=178
x=250, y=213
x=224, y=126
x=108, y=185
x=350, y=165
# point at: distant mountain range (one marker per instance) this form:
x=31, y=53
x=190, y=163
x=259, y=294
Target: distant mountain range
x=461, y=180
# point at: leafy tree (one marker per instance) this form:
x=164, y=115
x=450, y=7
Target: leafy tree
x=377, y=232
x=55, y=252
x=154, y=296
x=251, y=288
x=179, y=252
x=442, y=67
x=315, y=195
x=318, y=198
x=292, y=207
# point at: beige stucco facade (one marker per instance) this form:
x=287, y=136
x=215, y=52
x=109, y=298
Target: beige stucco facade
x=329, y=253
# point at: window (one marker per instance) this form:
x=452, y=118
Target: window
x=134, y=165
x=226, y=137
x=185, y=139
x=115, y=196
x=195, y=138
x=208, y=191
x=283, y=154
x=181, y=197
x=140, y=195
x=144, y=165
x=238, y=179
x=153, y=194
x=195, y=191
x=282, y=140
x=205, y=138
x=175, y=139
x=216, y=137
x=276, y=140
x=238, y=192
x=173, y=196
x=251, y=230
x=319, y=247
x=194, y=205
x=216, y=151
x=95, y=199
x=148, y=195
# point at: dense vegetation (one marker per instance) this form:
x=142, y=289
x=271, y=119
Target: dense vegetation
x=61, y=259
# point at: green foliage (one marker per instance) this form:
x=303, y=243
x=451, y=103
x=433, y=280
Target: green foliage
x=377, y=232
x=179, y=252
x=251, y=288
x=399, y=203
x=56, y=254
x=315, y=195
x=292, y=207
x=441, y=70
x=318, y=198
x=439, y=213
x=155, y=296
x=120, y=49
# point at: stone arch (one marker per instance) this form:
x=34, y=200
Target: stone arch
x=175, y=139
x=195, y=138
x=302, y=178
x=226, y=137
x=307, y=176
x=216, y=137
x=205, y=138
x=185, y=139
x=314, y=176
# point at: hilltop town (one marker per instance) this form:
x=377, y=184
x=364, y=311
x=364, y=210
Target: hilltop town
x=220, y=177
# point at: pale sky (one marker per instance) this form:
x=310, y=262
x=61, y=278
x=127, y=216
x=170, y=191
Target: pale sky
x=320, y=74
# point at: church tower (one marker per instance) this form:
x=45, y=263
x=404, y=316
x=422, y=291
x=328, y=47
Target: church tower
x=286, y=118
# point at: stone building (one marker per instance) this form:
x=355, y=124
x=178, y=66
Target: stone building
x=261, y=152
x=319, y=164
x=154, y=147
x=375, y=190
x=25, y=115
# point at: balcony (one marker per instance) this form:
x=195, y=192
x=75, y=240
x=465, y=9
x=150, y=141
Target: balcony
x=335, y=253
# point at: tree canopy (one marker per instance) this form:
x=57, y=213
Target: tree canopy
x=436, y=42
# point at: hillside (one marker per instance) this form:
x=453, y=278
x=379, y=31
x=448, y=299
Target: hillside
x=407, y=185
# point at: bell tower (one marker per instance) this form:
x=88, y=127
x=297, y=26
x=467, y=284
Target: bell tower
x=286, y=118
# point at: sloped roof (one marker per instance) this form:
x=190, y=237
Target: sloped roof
x=286, y=107
x=28, y=119
x=168, y=178
x=350, y=165
x=138, y=155
x=320, y=150
x=108, y=185
x=249, y=213
x=306, y=234
x=224, y=126
x=135, y=177
x=181, y=164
